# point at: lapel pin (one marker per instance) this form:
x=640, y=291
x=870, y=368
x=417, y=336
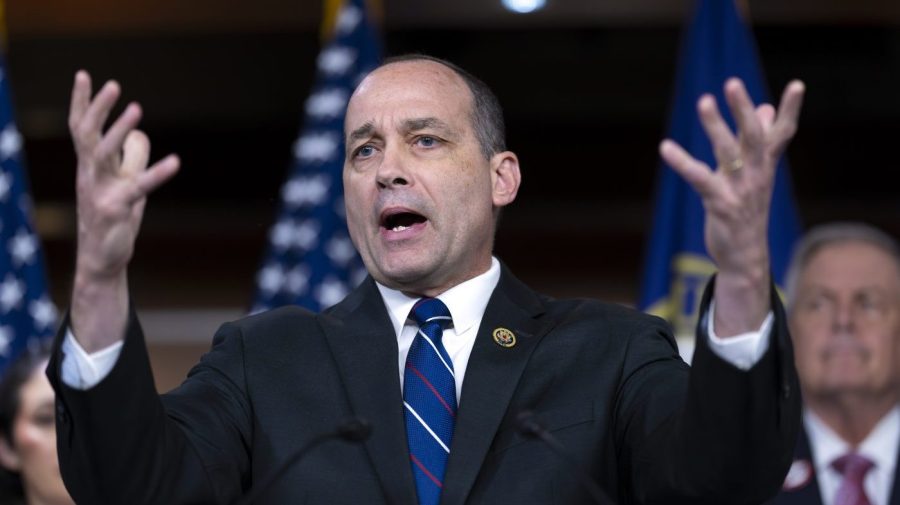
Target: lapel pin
x=504, y=337
x=798, y=476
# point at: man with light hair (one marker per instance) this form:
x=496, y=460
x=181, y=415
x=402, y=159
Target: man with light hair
x=843, y=289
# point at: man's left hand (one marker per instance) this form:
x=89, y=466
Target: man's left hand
x=737, y=195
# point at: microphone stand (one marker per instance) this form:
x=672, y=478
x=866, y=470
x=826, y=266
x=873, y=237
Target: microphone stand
x=354, y=431
x=528, y=426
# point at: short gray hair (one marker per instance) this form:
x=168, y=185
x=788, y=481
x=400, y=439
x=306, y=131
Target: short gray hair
x=829, y=234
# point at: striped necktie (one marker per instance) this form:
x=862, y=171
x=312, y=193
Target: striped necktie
x=429, y=400
x=854, y=468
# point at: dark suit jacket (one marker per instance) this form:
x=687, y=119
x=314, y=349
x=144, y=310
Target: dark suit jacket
x=606, y=381
x=807, y=492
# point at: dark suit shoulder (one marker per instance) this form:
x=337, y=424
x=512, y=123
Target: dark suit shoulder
x=275, y=324
x=591, y=316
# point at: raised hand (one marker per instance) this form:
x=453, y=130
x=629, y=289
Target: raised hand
x=737, y=195
x=113, y=182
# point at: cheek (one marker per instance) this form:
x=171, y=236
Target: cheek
x=36, y=445
x=806, y=347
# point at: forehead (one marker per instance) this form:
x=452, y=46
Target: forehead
x=408, y=90
x=852, y=265
x=36, y=390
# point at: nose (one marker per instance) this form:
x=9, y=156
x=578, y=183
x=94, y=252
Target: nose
x=843, y=318
x=392, y=171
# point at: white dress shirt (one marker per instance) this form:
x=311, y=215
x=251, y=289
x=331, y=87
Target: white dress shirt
x=880, y=446
x=466, y=302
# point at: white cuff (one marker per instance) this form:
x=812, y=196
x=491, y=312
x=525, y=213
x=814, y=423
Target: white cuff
x=744, y=350
x=81, y=370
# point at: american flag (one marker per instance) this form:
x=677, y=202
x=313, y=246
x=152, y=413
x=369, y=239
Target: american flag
x=310, y=260
x=26, y=313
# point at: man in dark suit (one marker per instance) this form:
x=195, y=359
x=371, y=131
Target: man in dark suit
x=426, y=173
x=844, y=299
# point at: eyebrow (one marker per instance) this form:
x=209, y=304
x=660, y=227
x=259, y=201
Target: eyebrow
x=409, y=125
x=362, y=132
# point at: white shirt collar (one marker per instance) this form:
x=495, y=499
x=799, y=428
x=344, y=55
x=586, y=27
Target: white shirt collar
x=466, y=301
x=880, y=446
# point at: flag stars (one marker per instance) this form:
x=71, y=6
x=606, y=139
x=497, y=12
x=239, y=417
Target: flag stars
x=12, y=290
x=311, y=190
x=336, y=60
x=317, y=147
x=271, y=279
x=330, y=292
x=349, y=17
x=327, y=104
x=22, y=247
x=43, y=312
x=340, y=250
x=306, y=234
x=282, y=234
x=10, y=142
x=297, y=280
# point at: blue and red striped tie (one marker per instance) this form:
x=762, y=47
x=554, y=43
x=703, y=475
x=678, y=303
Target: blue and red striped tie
x=429, y=400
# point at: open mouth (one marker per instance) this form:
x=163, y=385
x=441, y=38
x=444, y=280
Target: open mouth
x=400, y=220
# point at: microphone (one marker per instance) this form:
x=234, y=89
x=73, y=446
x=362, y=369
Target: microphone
x=528, y=426
x=353, y=430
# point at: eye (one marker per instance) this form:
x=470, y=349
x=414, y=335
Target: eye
x=426, y=141
x=815, y=303
x=364, y=151
x=870, y=302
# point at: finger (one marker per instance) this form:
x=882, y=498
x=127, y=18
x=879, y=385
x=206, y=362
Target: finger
x=135, y=153
x=695, y=172
x=99, y=109
x=112, y=142
x=155, y=176
x=81, y=97
x=720, y=136
x=765, y=114
x=788, y=112
x=743, y=111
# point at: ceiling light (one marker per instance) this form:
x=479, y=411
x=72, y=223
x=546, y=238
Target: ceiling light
x=523, y=6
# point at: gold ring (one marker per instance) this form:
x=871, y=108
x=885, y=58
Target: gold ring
x=735, y=165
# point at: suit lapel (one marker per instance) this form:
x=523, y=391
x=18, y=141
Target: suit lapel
x=894, y=498
x=491, y=378
x=801, y=485
x=363, y=343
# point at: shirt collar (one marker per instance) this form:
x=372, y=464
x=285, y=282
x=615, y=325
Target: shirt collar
x=466, y=301
x=880, y=446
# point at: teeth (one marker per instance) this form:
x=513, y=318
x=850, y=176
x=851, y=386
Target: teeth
x=400, y=228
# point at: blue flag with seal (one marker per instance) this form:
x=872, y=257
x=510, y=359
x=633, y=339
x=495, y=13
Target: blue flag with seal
x=715, y=46
x=27, y=315
x=311, y=261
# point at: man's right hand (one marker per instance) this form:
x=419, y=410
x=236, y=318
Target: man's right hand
x=113, y=182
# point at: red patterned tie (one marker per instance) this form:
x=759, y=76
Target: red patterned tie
x=854, y=468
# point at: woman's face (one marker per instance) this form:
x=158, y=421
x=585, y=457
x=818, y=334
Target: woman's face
x=33, y=450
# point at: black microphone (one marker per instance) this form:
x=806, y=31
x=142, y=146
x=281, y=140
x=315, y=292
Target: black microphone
x=353, y=430
x=527, y=425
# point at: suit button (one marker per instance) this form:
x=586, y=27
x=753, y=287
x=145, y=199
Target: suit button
x=786, y=391
x=61, y=415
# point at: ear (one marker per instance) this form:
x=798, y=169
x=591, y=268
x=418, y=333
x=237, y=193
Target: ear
x=505, y=178
x=9, y=458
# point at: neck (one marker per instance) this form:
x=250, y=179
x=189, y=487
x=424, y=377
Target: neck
x=33, y=497
x=852, y=417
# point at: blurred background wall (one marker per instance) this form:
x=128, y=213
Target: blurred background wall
x=586, y=86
